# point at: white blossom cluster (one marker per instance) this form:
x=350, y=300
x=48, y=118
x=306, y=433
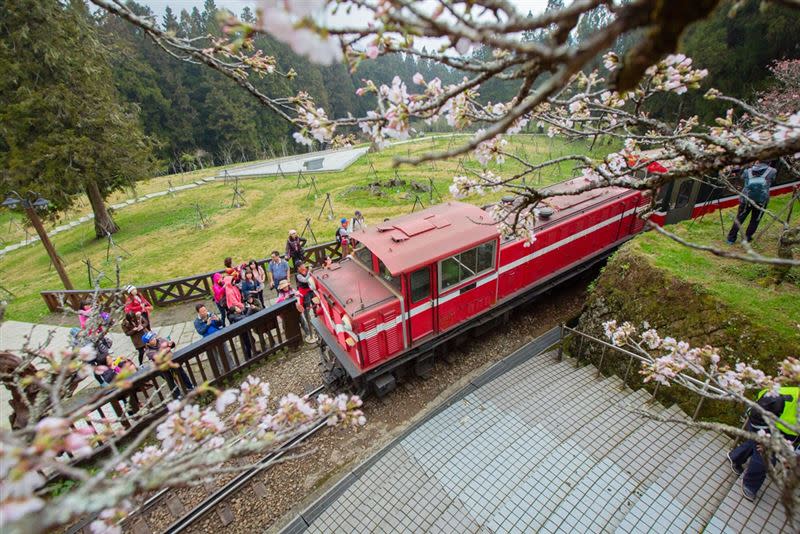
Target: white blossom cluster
x=20, y=465
x=492, y=149
x=238, y=416
x=667, y=358
x=513, y=222
x=284, y=20
x=313, y=122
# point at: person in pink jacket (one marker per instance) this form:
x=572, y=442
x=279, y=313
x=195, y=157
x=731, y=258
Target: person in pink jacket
x=218, y=289
x=233, y=297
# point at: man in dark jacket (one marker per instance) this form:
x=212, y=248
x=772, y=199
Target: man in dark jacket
x=156, y=345
x=784, y=406
x=757, y=181
x=294, y=247
x=237, y=314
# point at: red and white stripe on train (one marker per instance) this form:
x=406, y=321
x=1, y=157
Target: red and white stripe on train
x=688, y=198
x=419, y=280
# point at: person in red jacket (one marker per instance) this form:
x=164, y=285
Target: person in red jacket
x=136, y=303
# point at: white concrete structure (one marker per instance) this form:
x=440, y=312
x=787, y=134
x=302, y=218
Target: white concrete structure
x=331, y=160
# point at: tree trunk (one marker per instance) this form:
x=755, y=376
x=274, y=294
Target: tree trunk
x=103, y=223
x=788, y=239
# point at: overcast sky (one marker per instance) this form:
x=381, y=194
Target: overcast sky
x=236, y=5
x=158, y=5
x=355, y=18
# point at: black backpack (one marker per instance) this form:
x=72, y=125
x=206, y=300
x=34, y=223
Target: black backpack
x=770, y=403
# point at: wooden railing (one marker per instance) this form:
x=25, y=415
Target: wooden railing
x=211, y=359
x=172, y=291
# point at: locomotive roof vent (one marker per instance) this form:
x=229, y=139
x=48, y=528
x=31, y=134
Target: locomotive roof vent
x=398, y=236
x=545, y=213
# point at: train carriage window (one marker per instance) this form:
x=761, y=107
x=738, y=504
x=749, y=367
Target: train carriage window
x=420, y=284
x=684, y=194
x=466, y=265
x=364, y=255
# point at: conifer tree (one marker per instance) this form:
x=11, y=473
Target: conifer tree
x=63, y=130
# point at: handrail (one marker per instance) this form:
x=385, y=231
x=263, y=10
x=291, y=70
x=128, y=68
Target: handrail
x=211, y=359
x=633, y=356
x=171, y=291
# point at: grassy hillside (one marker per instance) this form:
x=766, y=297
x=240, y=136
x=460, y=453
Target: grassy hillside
x=745, y=287
x=703, y=299
x=163, y=240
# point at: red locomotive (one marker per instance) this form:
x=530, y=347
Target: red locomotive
x=419, y=280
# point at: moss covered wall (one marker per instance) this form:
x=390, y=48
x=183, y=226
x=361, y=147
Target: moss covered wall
x=631, y=288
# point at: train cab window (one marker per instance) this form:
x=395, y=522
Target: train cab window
x=449, y=275
x=684, y=194
x=485, y=256
x=387, y=277
x=466, y=265
x=468, y=260
x=364, y=255
x=420, y=282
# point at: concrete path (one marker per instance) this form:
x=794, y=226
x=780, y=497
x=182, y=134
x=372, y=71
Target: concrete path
x=15, y=334
x=545, y=447
x=327, y=160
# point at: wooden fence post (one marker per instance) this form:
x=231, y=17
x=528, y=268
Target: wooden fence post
x=291, y=324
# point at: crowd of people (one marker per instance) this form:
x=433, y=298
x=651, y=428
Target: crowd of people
x=95, y=324
x=239, y=290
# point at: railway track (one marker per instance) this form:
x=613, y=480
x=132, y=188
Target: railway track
x=183, y=517
x=137, y=523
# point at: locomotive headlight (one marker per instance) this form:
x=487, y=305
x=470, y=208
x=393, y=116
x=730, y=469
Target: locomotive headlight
x=348, y=335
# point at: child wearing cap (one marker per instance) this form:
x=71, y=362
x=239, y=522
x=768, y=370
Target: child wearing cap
x=343, y=237
x=157, y=345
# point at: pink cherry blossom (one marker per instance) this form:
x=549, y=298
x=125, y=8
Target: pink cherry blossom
x=463, y=45
x=282, y=20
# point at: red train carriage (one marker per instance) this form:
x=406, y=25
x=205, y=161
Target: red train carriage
x=687, y=198
x=422, y=279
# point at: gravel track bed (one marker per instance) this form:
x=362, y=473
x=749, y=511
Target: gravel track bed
x=295, y=483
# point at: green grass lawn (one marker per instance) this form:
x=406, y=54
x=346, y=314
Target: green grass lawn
x=164, y=242
x=13, y=222
x=745, y=287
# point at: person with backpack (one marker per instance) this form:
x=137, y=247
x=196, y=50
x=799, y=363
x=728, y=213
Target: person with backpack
x=294, y=247
x=784, y=407
x=757, y=181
